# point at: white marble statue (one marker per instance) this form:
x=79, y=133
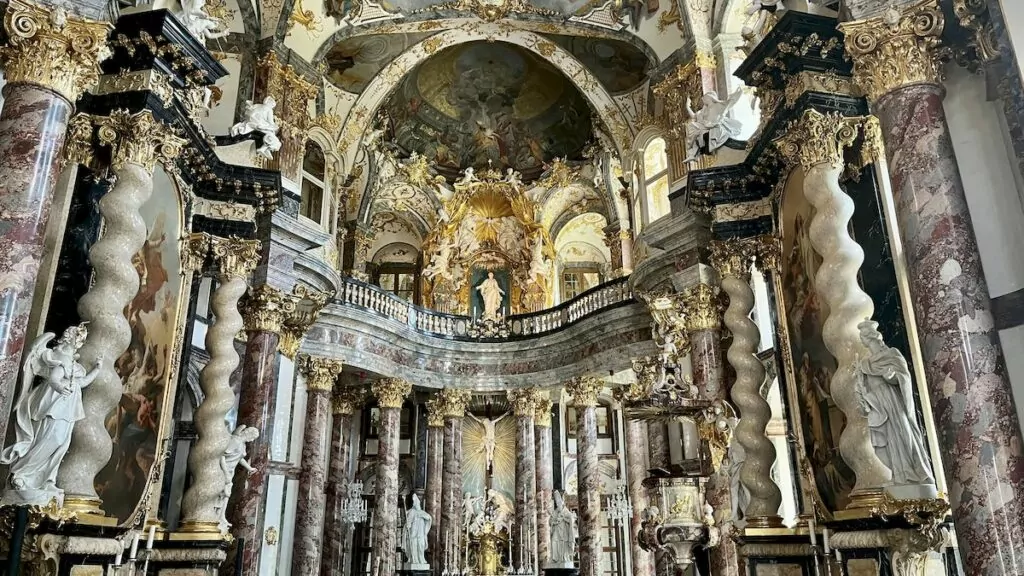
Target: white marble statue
x=491, y=293
x=468, y=176
x=44, y=416
x=200, y=24
x=260, y=118
x=758, y=26
x=234, y=456
x=440, y=261
x=470, y=508
x=563, y=534
x=739, y=495
x=499, y=510
x=886, y=396
x=712, y=121
x=512, y=177
x=509, y=234
x=490, y=439
x=414, y=540
x=539, y=265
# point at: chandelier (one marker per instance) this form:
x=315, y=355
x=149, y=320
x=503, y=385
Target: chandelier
x=353, y=507
x=619, y=508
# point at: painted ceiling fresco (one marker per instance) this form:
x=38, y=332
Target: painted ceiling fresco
x=485, y=104
x=353, y=62
x=620, y=66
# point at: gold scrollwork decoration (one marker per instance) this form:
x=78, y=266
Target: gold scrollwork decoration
x=138, y=139
x=320, y=372
x=235, y=257
x=523, y=401
x=454, y=401
x=346, y=401
x=391, y=392
x=265, y=308
x=584, y=390
x=702, y=308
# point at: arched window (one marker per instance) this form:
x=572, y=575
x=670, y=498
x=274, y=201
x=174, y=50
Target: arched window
x=315, y=203
x=655, y=180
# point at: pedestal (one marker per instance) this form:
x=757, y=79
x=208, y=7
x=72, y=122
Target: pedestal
x=561, y=572
x=411, y=572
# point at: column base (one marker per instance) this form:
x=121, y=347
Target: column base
x=869, y=498
x=199, y=527
x=561, y=571
x=764, y=522
x=415, y=572
x=87, y=511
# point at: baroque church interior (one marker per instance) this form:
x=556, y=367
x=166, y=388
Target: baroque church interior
x=512, y=287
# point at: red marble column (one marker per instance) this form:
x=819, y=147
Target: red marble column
x=336, y=530
x=435, y=472
x=46, y=71
x=321, y=373
x=636, y=471
x=584, y=394
x=523, y=405
x=451, y=534
x=390, y=393
x=264, y=311
x=979, y=433
x=545, y=477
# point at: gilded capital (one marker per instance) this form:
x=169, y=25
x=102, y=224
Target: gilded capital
x=584, y=390
x=137, y=139
x=391, y=392
x=732, y=257
x=346, y=401
x=435, y=412
x=320, y=372
x=455, y=402
x=542, y=409
x=264, y=309
x=50, y=49
x=523, y=401
x=897, y=49
x=195, y=248
x=817, y=138
x=308, y=305
x=702, y=308
x=235, y=257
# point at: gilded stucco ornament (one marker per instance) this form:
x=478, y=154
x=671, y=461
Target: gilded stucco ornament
x=346, y=401
x=138, y=138
x=668, y=322
x=702, y=308
x=194, y=249
x=391, y=392
x=78, y=146
x=308, y=305
x=733, y=257
x=817, y=138
x=584, y=390
x=454, y=402
x=974, y=16
x=542, y=409
x=321, y=373
x=48, y=48
x=435, y=412
x=235, y=256
x=897, y=49
x=523, y=401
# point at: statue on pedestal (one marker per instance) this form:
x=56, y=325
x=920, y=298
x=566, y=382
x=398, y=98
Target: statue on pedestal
x=563, y=534
x=414, y=541
x=45, y=416
x=234, y=456
x=886, y=396
x=260, y=118
x=491, y=293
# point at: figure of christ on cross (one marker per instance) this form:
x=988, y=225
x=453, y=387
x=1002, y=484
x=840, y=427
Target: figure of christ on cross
x=490, y=441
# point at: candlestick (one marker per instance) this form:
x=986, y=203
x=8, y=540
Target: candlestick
x=824, y=534
x=814, y=534
x=135, y=548
x=152, y=535
x=119, y=557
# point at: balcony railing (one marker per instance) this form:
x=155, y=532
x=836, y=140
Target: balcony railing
x=453, y=327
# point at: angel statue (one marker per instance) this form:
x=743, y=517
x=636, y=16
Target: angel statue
x=260, y=118
x=203, y=26
x=711, y=127
x=539, y=264
x=45, y=415
x=439, y=262
x=234, y=456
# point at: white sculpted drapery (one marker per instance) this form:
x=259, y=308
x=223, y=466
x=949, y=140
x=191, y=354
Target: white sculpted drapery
x=491, y=293
x=417, y=526
x=563, y=533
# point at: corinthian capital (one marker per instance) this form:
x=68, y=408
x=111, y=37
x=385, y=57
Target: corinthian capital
x=265, y=308
x=235, y=257
x=896, y=49
x=320, y=372
x=523, y=401
x=48, y=48
x=391, y=392
x=584, y=390
x=702, y=311
x=138, y=139
x=454, y=401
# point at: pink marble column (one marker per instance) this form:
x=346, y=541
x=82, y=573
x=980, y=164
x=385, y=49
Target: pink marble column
x=336, y=531
x=390, y=393
x=46, y=67
x=452, y=536
x=545, y=477
x=263, y=310
x=979, y=433
x=636, y=471
x=584, y=394
x=308, y=548
x=435, y=472
x=523, y=405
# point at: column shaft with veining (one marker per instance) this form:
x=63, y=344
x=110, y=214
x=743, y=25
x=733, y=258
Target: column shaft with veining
x=523, y=403
x=390, y=394
x=584, y=393
x=545, y=476
x=345, y=403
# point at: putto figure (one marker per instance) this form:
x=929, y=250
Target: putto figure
x=712, y=122
x=203, y=26
x=45, y=415
x=260, y=118
x=234, y=456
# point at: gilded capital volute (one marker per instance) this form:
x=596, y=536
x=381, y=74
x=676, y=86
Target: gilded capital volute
x=523, y=401
x=195, y=248
x=346, y=401
x=265, y=307
x=702, y=308
x=321, y=373
x=542, y=409
x=138, y=139
x=235, y=257
x=897, y=49
x=584, y=390
x=732, y=257
x=391, y=392
x=308, y=305
x=816, y=138
x=455, y=402
x=47, y=48
x=435, y=412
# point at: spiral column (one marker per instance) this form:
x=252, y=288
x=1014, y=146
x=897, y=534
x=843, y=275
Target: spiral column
x=733, y=259
x=137, y=142
x=201, y=507
x=817, y=142
x=390, y=394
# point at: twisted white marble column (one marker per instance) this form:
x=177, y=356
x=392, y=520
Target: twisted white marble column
x=733, y=259
x=138, y=142
x=818, y=141
x=200, y=510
